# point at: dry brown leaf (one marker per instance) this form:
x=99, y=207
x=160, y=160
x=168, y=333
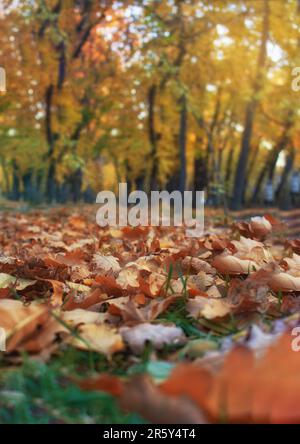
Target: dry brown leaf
x=208, y=308
x=260, y=227
x=6, y=280
x=20, y=322
x=195, y=265
x=99, y=338
x=106, y=263
x=229, y=264
x=285, y=282
x=80, y=316
x=244, y=390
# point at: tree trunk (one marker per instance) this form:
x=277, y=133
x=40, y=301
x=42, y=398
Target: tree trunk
x=250, y=170
x=15, y=194
x=151, y=183
x=229, y=166
x=269, y=167
x=287, y=169
x=240, y=175
x=76, y=184
x=28, y=191
x=259, y=183
x=200, y=174
x=51, y=182
x=182, y=143
x=280, y=146
x=5, y=175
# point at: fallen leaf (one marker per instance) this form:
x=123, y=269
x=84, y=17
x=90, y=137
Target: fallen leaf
x=99, y=338
x=20, y=322
x=208, y=308
x=106, y=263
x=7, y=280
x=157, y=334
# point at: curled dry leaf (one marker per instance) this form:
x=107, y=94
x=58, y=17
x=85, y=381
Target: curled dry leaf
x=244, y=245
x=285, y=282
x=128, y=277
x=150, y=263
x=58, y=292
x=84, y=299
x=157, y=307
x=260, y=227
x=228, y=264
x=106, y=263
x=151, y=284
x=294, y=244
x=43, y=340
x=127, y=308
x=71, y=258
x=109, y=285
x=6, y=280
x=21, y=322
x=292, y=262
x=80, y=316
x=79, y=287
x=209, y=308
x=252, y=293
x=200, y=281
x=195, y=265
x=215, y=243
x=99, y=338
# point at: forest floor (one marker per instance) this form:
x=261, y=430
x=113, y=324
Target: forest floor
x=145, y=324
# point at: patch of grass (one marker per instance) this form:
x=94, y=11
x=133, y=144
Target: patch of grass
x=178, y=315
x=37, y=393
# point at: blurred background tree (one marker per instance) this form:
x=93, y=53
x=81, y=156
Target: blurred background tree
x=161, y=94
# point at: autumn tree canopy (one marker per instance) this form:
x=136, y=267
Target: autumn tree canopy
x=173, y=94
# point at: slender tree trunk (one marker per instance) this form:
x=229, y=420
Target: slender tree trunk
x=200, y=173
x=240, y=175
x=28, y=186
x=62, y=65
x=5, y=176
x=259, y=183
x=182, y=143
x=210, y=151
x=283, y=142
x=250, y=170
x=50, y=181
x=286, y=171
x=75, y=181
x=229, y=166
x=152, y=179
x=270, y=164
x=15, y=194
